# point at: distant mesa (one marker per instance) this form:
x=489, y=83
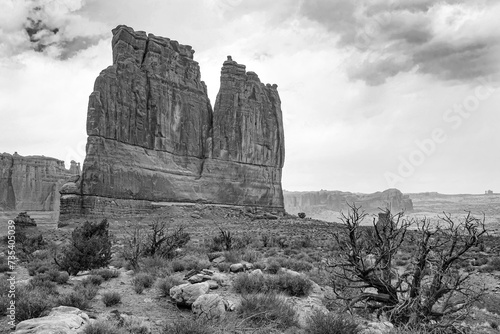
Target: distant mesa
x=153, y=136
x=315, y=203
x=32, y=182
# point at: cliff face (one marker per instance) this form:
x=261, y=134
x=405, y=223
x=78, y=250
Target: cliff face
x=316, y=202
x=31, y=183
x=153, y=137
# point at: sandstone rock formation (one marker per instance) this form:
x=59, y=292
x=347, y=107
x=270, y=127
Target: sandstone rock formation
x=62, y=319
x=31, y=183
x=153, y=137
x=313, y=203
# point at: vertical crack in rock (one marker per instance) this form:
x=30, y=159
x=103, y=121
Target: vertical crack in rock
x=153, y=137
x=11, y=195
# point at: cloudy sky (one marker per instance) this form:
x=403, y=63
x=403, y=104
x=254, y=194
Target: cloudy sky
x=375, y=93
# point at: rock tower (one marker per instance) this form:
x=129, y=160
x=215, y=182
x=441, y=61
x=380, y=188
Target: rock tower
x=153, y=136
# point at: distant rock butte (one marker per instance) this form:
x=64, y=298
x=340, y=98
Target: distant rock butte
x=153, y=137
x=32, y=182
x=315, y=202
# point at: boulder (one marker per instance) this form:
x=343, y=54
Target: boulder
x=61, y=320
x=186, y=294
x=256, y=272
x=237, y=267
x=306, y=307
x=219, y=259
x=210, y=306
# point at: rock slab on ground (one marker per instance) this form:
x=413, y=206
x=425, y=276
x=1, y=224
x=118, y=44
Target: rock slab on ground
x=61, y=320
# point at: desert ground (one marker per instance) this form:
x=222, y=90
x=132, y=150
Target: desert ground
x=284, y=246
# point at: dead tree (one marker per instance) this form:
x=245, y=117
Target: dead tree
x=431, y=288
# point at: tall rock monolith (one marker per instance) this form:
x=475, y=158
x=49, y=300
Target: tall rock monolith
x=153, y=136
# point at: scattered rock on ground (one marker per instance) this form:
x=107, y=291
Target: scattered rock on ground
x=210, y=306
x=186, y=294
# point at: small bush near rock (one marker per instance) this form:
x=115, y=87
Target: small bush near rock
x=251, y=256
x=321, y=323
x=105, y=273
x=193, y=262
x=232, y=256
x=260, y=310
x=293, y=285
x=93, y=279
x=273, y=267
x=38, y=267
x=164, y=285
x=142, y=281
x=32, y=302
x=42, y=282
x=76, y=299
x=111, y=298
x=178, y=265
x=224, y=267
x=89, y=290
x=100, y=327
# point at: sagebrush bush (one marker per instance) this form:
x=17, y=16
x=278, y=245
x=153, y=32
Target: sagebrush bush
x=232, y=256
x=32, y=302
x=155, y=265
x=42, y=282
x=100, y=327
x=111, y=298
x=38, y=267
x=96, y=280
x=188, y=326
x=321, y=323
x=90, y=248
x=224, y=267
x=273, y=266
x=193, y=262
x=165, y=284
x=87, y=289
x=251, y=256
x=142, y=281
x=260, y=310
x=105, y=273
x=293, y=285
x=76, y=299
x=245, y=283
x=178, y=265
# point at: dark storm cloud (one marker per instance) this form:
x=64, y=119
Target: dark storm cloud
x=53, y=28
x=398, y=36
